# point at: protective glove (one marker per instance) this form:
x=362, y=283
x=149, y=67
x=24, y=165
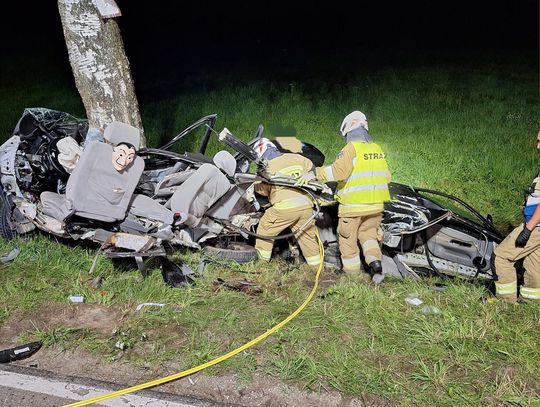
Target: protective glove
x=523, y=237
x=304, y=179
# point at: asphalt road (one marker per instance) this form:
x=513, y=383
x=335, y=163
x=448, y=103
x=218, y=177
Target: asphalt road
x=25, y=387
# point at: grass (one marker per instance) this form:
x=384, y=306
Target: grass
x=464, y=129
x=354, y=338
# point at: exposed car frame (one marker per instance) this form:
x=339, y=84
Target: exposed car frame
x=420, y=235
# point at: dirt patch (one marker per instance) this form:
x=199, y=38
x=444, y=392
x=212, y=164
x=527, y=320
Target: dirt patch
x=328, y=279
x=99, y=318
x=261, y=391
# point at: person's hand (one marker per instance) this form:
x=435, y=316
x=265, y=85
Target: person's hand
x=304, y=179
x=523, y=237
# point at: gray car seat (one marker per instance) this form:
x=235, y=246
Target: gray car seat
x=95, y=189
x=142, y=205
x=202, y=189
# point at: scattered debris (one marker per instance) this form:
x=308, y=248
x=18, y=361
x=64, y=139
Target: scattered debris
x=97, y=282
x=76, y=298
x=12, y=255
x=94, y=262
x=413, y=299
x=430, y=310
x=120, y=344
x=176, y=276
x=201, y=267
x=244, y=286
x=148, y=304
x=439, y=287
x=19, y=352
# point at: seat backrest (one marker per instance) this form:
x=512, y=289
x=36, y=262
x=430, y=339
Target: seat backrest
x=96, y=190
x=199, y=192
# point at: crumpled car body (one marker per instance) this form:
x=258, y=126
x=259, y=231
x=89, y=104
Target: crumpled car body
x=419, y=235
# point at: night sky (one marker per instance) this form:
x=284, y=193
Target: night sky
x=171, y=36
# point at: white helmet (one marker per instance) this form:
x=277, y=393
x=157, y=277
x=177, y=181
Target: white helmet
x=353, y=121
x=261, y=145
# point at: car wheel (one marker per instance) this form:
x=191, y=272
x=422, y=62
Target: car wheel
x=239, y=252
x=7, y=231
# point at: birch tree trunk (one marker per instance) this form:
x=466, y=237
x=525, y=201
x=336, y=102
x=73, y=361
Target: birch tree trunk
x=99, y=64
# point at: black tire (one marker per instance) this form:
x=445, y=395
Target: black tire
x=7, y=231
x=239, y=252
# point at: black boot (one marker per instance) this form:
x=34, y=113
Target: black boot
x=377, y=275
x=376, y=267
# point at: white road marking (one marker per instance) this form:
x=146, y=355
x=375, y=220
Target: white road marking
x=77, y=392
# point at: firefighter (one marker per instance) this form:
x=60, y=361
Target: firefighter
x=522, y=243
x=362, y=177
x=291, y=208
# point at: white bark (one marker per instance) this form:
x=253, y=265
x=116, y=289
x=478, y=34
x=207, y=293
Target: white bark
x=99, y=64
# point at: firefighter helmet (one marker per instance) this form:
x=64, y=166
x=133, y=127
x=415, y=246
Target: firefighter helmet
x=353, y=121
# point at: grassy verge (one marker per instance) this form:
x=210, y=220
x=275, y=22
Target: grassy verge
x=352, y=338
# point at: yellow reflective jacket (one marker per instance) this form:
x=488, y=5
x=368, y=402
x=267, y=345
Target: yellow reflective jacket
x=362, y=174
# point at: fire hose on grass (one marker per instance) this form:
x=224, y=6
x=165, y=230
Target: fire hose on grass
x=221, y=358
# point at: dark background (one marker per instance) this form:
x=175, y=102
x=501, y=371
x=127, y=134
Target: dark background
x=169, y=40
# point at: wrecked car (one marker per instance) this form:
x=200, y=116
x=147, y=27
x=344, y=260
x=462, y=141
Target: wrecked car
x=181, y=196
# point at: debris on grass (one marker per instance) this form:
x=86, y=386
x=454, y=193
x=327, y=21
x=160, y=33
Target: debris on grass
x=19, y=352
x=175, y=275
x=439, y=287
x=12, y=255
x=430, y=310
x=97, y=282
x=148, y=304
x=201, y=267
x=247, y=287
x=413, y=299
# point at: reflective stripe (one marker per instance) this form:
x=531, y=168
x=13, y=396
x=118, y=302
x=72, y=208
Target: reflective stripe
x=369, y=244
x=351, y=264
x=352, y=260
x=264, y=254
x=295, y=170
x=506, y=289
x=368, y=187
x=360, y=208
x=313, y=260
x=530, y=293
x=329, y=173
x=297, y=202
x=364, y=174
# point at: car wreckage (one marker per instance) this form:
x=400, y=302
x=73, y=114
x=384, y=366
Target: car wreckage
x=186, y=198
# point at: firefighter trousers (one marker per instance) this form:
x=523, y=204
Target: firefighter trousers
x=274, y=221
x=363, y=230
x=506, y=254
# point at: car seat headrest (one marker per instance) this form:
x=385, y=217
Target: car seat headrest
x=225, y=162
x=118, y=132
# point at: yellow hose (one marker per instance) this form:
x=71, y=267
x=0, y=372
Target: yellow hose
x=217, y=360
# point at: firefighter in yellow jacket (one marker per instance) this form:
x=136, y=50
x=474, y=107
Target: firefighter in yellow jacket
x=522, y=243
x=362, y=177
x=291, y=208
